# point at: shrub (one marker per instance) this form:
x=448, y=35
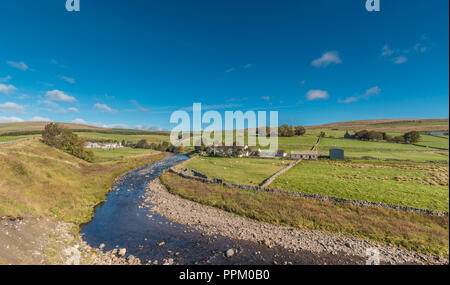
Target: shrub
x=412, y=137
x=65, y=140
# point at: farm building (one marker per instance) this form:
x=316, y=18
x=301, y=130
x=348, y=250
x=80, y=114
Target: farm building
x=309, y=155
x=103, y=145
x=281, y=153
x=349, y=135
x=336, y=153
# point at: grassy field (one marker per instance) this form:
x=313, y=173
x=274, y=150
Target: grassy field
x=415, y=185
x=251, y=171
x=102, y=155
x=118, y=137
x=8, y=139
x=422, y=233
x=38, y=180
x=388, y=125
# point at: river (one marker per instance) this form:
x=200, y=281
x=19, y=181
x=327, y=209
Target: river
x=120, y=222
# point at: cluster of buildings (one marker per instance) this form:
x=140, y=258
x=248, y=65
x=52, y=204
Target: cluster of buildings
x=103, y=145
x=245, y=151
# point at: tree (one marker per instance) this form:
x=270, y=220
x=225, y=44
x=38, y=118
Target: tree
x=300, y=131
x=142, y=144
x=399, y=139
x=412, y=137
x=65, y=140
x=50, y=133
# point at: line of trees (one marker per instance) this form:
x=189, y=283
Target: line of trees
x=409, y=137
x=64, y=139
x=164, y=146
x=288, y=131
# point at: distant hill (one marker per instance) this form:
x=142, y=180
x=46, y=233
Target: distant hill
x=388, y=125
x=38, y=126
x=6, y=128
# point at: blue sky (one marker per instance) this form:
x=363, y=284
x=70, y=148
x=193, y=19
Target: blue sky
x=132, y=63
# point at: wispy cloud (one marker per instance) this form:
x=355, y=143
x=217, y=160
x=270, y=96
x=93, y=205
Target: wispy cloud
x=387, y=51
x=214, y=107
x=104, y=108
x=60, y=96
x=10, y=119
x=139, y=107
x=18, y=65
x=73, y=109
x=327, y=59
x=237, y=99
x=374, y=91
x=7, y=89
x=303, y=82
x=317, y=95
x=399, y=56
x=400, y=59
x=266, y=98
x=12, y=108
x=231, y=69
x=101, y=125
x=39, y=119
x=67, y=79
x=248, y=65
x=5, y=79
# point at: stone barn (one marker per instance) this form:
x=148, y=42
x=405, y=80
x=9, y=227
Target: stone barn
x=336, y=153
x=307, y=155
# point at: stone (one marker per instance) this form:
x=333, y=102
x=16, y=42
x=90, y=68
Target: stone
x=229, y=253
x=122, y=252
x=102, y=246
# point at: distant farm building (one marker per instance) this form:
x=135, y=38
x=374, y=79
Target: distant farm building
x=336, y=153
x=349, y=135
x=103, y=145
x=307, y=155
x=281, y=153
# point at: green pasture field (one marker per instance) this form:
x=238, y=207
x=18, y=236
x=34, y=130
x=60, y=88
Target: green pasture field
x=102, y=155
x=415, y=185
x=250, y=171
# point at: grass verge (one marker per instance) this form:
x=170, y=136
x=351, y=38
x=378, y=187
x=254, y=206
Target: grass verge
x=39, y=180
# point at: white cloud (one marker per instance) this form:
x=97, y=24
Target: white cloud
x=39, y=119
x=18, y=65
x=387, y=51
x=248, y=65
x=230, y=70
x=150, y=128
x=13, y=108
x=265, y=98
x=60, y=96
x=5, y=79
x=80, y=122
x=327, y=59
x=303, y=82
x=10, y=119
x=139, y=107
x=400, y=59
x=374, y=91
x=101, y=125
x=73, y=109
x=316, y=95
x=104, y=108
x=7, y=88
x=67, y=79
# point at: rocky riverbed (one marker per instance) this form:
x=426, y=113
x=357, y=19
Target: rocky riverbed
x=215, y=222
x=35, y=241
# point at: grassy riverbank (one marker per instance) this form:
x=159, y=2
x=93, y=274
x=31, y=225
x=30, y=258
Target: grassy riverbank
x=40, y=180
x=421, y=233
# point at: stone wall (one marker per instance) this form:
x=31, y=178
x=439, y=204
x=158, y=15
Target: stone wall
x=194, y=175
